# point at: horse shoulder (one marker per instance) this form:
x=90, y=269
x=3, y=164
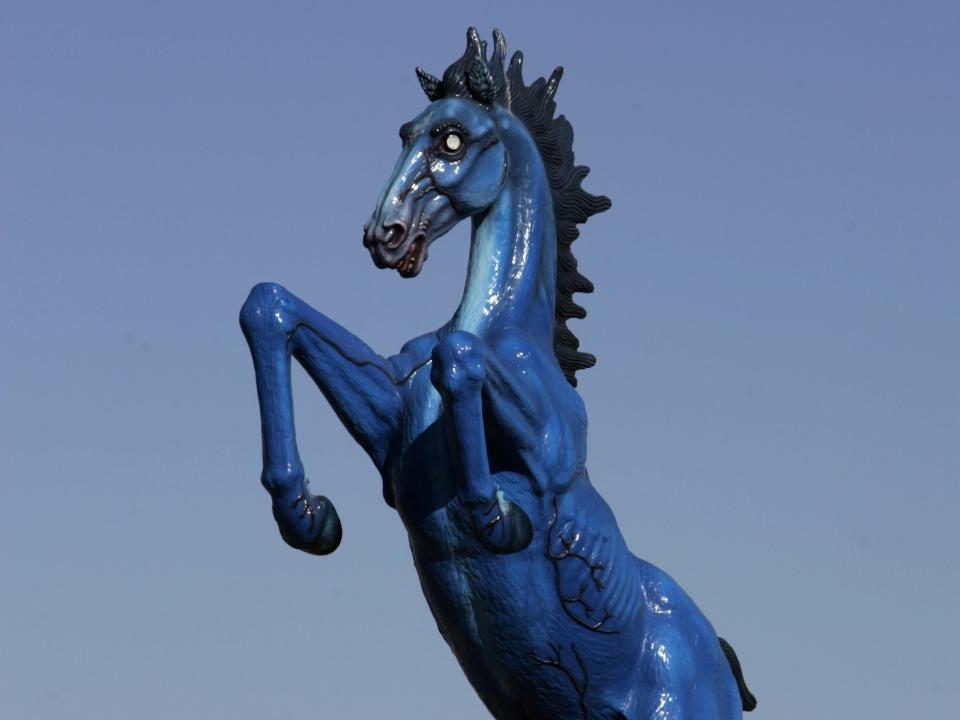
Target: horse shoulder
x=557, y=440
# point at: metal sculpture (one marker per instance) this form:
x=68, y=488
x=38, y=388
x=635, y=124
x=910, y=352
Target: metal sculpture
x=478, y=432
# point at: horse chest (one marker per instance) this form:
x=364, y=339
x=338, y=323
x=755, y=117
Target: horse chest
x=422, y=469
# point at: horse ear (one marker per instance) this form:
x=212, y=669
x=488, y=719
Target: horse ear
x=431, y=85
x=480, y=81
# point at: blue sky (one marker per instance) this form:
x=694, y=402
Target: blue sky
x=775, y=415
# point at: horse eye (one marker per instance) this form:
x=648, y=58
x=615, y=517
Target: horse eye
x=452, y=142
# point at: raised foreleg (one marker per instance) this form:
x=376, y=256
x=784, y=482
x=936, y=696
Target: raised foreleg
x=357, y=382
x=458, y=372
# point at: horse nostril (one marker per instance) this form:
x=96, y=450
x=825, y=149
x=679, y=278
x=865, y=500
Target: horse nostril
x=394, y=234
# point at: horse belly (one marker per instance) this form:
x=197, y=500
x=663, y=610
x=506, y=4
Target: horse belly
x=502, y=618
x=491, y=610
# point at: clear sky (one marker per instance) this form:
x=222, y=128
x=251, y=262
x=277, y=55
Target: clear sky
x=775, y=415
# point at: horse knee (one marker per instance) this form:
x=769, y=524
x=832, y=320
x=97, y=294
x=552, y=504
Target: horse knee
x=267, y=311
x=458, y=363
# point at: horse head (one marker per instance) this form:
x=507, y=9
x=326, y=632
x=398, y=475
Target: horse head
x=453, y=164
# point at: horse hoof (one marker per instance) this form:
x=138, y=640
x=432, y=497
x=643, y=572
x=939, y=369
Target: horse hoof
x=509, y=531
x=310, y=524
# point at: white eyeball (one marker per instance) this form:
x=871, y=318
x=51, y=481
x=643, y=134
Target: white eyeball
x=452, y=142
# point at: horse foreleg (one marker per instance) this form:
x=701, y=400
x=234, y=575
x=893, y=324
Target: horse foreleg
x=279, y=326
x=458, y=372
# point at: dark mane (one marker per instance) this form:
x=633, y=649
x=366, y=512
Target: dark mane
x=485, y=81
x=572, y=205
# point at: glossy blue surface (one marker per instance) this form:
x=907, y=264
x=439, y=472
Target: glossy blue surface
x=480, y=436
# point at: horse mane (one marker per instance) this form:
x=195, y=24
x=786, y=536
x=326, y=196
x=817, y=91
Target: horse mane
x=486, y=81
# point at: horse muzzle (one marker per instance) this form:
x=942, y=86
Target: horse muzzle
x=392, y=246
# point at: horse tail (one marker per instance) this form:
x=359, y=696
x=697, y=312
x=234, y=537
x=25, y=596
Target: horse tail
x=746, y=697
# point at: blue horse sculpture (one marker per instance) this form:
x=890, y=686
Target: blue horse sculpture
x=478, y=432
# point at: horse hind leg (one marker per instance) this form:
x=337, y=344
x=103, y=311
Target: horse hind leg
x=681, y=678
x=458, y=372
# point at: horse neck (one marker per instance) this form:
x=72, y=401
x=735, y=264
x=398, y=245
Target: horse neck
x=511, y=278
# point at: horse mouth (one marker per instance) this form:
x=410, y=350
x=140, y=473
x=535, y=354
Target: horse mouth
x=412, y=261
x=392, y=247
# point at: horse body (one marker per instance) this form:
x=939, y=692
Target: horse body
x=480, y=436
